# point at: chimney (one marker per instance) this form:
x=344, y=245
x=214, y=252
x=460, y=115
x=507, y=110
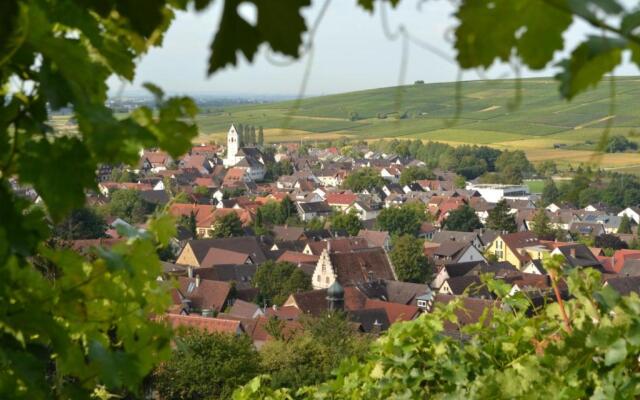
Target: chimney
x=197, y=280
x=572, y=251
x=190, y=271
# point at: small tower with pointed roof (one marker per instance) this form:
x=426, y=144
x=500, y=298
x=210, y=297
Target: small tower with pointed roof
x=335, y=297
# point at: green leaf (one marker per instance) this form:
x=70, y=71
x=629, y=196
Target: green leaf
x=532, y=28
x=588, y=63
x=284, y=38
x=163, y=228
x=616, y=352
x=607, y=297
x=10, y=37
x=234, y=34
x=543, y=36
x=155, y=90
x=237, y=35
x=48, y=166
x=145, y=16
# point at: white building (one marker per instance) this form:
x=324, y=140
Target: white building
x=493, y=193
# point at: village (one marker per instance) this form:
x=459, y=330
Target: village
x=268, y=236
x=232, y=222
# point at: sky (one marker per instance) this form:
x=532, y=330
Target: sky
x=351, y=52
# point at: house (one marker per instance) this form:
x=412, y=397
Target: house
x=203, y=294
x=625, y=285
x=235, y=176
x=471, y=311
x=244, y=309
x=511, y=247
x=196, y=250
x=591, y=229
x=216, y=256
x=575, y=254
x=622, y=257
x=155, y=161
x=427, y=230
x=335, y=245
x=351, y=268
x=633, y=213
x=287, y=233
x=406, y=293
x=341, y=201
x=331, y=177
x=199, y=162
x=366, y=211
x=459, y=237
x=240, y=274
x=455, y=270
x=309, y=211
x=391, y=173
x=358, y=306
x=206, y=216
x=467, y=286
x=453, y=252
x=376, y=238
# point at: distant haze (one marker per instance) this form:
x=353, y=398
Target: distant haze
x=351, y=53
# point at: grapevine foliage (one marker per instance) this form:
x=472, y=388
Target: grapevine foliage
x=507, y=354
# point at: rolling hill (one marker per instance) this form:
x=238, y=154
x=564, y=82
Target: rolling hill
x=482, y=113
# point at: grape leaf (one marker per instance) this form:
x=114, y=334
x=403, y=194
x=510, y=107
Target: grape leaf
x=588, y=63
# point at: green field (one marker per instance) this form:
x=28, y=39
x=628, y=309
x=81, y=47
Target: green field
x=483, y=113
x=535, y=185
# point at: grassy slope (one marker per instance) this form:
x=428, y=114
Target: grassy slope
x=541, y=120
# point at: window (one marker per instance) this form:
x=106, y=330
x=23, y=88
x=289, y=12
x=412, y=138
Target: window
x=422, y=303
x=326, y=279
x=318, y=278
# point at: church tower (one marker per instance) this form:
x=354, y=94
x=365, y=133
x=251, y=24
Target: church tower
x=232, y=147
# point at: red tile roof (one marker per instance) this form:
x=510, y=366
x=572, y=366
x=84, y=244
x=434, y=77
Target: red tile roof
x=205, y=182
x=217, y=256
x=395, y=311
x=620, y=256
x=341, y=198
x=207, y=295
x=295, y=257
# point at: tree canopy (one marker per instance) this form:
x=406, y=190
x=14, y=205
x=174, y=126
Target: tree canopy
x=313, y=352
x=500, y=218
x=463, y=219
x=409, y=261
x=346, y=221
x=205, y=366
x=277, y=280
x=405, y=220
x=83, y=223
x=363, y=178
x=228, y=225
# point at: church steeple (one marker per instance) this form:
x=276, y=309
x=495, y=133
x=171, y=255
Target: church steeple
x=232, y=146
